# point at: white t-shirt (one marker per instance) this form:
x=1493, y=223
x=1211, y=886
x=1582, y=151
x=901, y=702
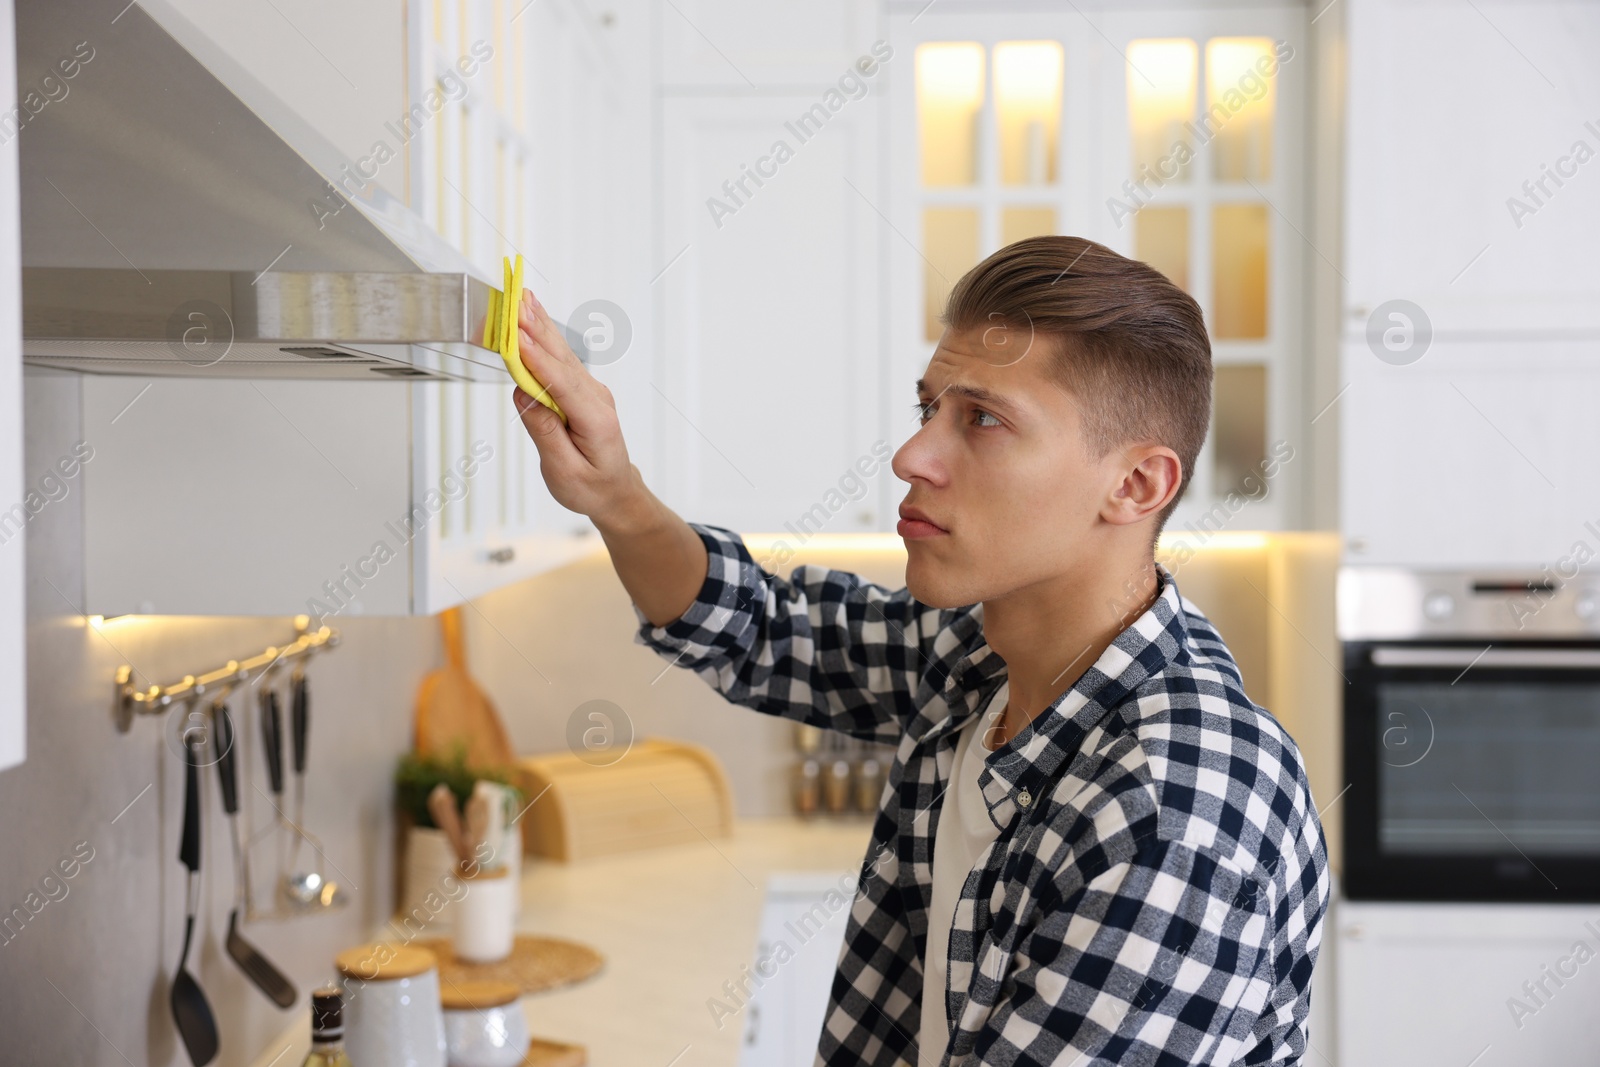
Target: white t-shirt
x=964, y=830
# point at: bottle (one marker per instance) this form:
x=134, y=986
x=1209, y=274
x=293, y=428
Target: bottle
x=327, y=1029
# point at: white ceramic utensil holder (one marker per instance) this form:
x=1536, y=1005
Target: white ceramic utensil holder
x=431, y=884
x=484, y=924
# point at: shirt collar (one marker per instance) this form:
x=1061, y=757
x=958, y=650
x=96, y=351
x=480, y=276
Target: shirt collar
x=1020, y=771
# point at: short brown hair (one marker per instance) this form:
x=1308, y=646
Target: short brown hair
x=1130, y=342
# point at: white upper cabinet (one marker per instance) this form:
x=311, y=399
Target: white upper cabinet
x=1479, y=454
x=1473, y=164
x=769, y=372
x=1471, y=334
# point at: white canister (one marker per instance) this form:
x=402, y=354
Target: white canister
x=392, y=1014
x=484, y=1025
x=484, y=926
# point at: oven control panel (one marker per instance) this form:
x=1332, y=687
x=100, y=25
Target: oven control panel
x=1386, y=603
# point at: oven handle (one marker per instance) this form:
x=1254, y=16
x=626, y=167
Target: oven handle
x=1556, y=658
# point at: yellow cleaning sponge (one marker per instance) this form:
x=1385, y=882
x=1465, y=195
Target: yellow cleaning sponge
x=500, y=333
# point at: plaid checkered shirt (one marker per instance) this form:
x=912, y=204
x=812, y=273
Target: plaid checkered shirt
x=1157, y=889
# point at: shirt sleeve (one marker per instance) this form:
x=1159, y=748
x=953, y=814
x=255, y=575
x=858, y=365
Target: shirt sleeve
x=825, y=648
x=1159, y=960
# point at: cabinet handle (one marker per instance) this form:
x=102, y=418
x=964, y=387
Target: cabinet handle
x=502, y=555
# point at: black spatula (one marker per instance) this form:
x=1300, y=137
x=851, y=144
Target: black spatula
x=255, y=966
x=190, y=1011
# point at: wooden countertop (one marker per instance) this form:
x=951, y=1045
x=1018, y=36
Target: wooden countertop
x=674, y=924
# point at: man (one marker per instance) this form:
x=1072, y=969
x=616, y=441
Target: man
x=1093, y=848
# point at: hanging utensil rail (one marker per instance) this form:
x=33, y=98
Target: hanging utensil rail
x=130, y=700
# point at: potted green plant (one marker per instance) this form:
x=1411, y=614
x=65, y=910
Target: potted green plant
x=427, y=858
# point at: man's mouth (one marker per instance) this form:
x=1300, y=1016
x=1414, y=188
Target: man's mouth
x=915, y=525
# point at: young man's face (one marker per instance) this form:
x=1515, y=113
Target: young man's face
x=1000, y=472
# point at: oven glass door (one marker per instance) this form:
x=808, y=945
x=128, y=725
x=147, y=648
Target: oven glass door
x=1474, y=771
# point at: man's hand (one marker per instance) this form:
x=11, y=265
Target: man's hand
x=660, y=559
x=584, y=462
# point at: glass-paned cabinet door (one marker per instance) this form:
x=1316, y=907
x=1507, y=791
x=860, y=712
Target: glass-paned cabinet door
x=1203, y=157
x=1169, y=136
x=493, y=521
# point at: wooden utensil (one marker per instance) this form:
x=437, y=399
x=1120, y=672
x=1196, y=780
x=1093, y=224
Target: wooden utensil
x=452, y=710
x=447, y=817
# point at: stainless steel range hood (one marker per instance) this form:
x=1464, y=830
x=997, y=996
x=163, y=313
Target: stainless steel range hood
x=179, y=219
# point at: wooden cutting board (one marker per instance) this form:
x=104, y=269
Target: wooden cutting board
x=452, y=710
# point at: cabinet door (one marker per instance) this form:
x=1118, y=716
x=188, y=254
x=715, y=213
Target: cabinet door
x=489, y=519
x=1472, y=172
x=1436, y=983
x=13, y=643
x=245, y=498
x=767, y=379
x=739, y=46
x=1480, y=453
x=797, y=950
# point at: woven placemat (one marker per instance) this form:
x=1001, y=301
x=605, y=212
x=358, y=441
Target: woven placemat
x=543, y=1053
x=536, y=964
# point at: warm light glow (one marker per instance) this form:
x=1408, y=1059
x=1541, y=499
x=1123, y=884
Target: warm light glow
x=1239, y=248
x=949, y=95
x=949, y=250
x=1161, y=239
x=1240, y=97
x=1017, y=223
x=1232, y=541
x=97, y=621
x=1163, y=79
x=1027, y=100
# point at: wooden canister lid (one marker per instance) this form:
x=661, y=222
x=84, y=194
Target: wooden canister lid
x=475, y=996
x=472, y=872
x=383, y=962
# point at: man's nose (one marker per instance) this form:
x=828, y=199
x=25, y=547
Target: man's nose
x=919, y=458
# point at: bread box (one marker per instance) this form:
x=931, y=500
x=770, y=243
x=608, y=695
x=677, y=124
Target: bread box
x=658, y=793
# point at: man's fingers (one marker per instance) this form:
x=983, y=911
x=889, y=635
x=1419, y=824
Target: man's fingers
x=533, y=319
x=544, y=426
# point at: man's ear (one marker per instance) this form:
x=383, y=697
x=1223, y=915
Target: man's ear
x=1147, y=486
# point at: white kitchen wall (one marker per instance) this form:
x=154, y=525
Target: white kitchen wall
x=85, y=979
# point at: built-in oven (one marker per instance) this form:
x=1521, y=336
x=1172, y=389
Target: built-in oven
x=1471, y=736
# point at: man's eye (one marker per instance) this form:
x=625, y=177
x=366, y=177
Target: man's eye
x=923, y=412
x=981, y=414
